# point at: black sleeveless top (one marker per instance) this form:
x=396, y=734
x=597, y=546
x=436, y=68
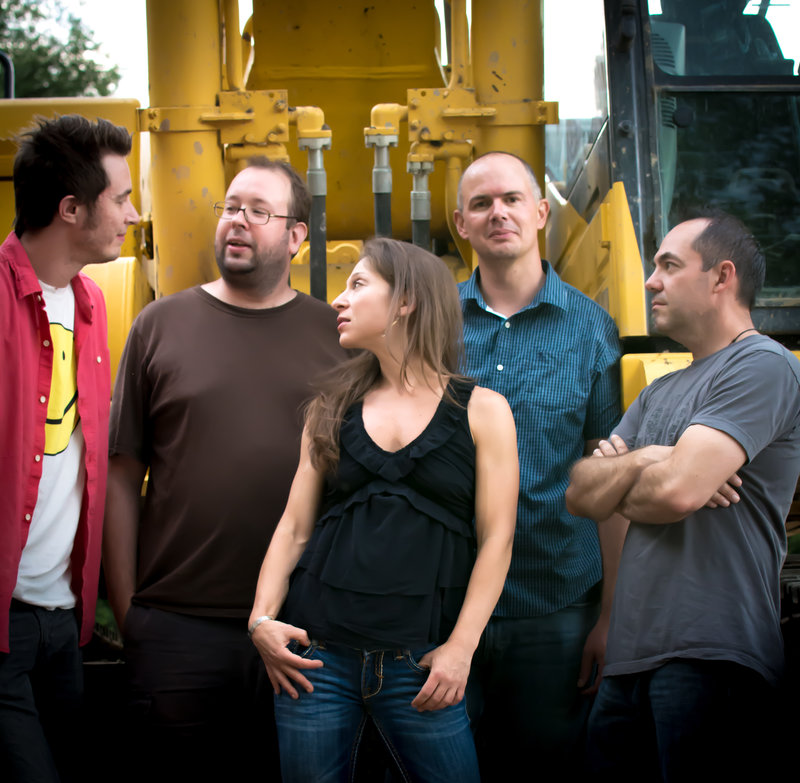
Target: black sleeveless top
x=392, y=553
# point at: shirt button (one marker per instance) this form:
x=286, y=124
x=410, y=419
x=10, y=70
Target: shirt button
x=27, y=517
x=99, y=359
x=500, y=368
x=42, y=399
x=46, y=343
x=507, y=325
x=38, y=458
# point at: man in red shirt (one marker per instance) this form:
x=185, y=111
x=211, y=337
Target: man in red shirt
x=72, y=189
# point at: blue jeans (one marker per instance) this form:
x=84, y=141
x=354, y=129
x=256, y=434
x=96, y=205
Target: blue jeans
x=319, y=732
x=41, y=690
x=522, y=695
x=688, y=720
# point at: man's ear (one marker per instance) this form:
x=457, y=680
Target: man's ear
x=458, y=219
x=297, y=234
x=68, y=209
x=542, y=209
x=725, y=272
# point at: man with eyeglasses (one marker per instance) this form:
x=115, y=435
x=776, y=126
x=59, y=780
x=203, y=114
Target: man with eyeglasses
x=209, y=398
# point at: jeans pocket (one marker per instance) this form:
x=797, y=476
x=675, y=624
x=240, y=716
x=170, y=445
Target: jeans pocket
x=412, y=658
x=304, y=652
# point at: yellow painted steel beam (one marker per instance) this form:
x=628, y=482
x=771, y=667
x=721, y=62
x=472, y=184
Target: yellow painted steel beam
x=186, y=160
x=601, y=259
x=19, y=113
x=637, y=370
x=508, y=70
x=126, y=292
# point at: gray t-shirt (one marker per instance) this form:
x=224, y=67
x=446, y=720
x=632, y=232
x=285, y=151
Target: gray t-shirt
x=707, y=587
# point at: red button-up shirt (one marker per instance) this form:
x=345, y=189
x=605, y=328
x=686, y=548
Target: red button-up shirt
x=26, y=363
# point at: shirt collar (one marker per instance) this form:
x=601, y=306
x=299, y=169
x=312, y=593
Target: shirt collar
x=553, y=292
x=26, y=283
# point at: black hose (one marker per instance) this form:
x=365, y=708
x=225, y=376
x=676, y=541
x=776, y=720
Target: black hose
x=383, y=214
x=421, y=233
x=318, y=263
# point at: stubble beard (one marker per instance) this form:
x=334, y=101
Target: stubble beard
x=267, y=269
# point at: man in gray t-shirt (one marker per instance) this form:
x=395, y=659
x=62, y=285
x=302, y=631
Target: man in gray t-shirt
x=704, y=465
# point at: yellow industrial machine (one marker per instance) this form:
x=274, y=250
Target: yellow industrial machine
x=688, y=103
x=356, y=95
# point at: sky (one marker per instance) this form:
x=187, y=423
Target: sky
x=129, y=50
x=126, y=45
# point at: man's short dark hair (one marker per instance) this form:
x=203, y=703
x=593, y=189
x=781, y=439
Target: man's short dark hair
x=727, y=238
x=58, y=158
x=300, y=203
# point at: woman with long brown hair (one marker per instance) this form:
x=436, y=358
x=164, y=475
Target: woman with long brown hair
x=398, y=533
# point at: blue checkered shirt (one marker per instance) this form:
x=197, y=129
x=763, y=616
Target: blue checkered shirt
x=556, y=361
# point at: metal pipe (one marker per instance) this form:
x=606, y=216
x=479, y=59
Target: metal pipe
x=382, y=188
x=233, y=45
x=508, y=64
x=454, y=153
x=420, y=203
x=317, y=229
x=508, y=68
x=8, y=75
x=187, y=174
x=460, y=70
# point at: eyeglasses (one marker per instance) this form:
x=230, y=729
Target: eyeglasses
x=254, y=216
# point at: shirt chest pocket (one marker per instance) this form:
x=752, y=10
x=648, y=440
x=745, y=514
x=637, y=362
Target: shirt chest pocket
x=555, y=382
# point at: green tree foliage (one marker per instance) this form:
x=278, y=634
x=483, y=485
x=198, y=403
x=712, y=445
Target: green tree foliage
x=53, y=52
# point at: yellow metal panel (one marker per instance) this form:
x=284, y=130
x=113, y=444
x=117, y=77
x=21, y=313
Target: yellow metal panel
x=6, y=208
x=346, y=57
x=639, y=369
x=126, y=292
x=602, y=258
x=341, y=256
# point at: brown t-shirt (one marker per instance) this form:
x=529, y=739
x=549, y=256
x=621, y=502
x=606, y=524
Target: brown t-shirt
x=210, y=397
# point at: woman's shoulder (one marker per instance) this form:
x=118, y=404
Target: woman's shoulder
x=491, y=421
x=487, y=401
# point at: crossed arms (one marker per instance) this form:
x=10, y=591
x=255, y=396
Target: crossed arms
x=657, y=484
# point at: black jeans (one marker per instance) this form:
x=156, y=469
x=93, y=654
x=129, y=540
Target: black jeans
x=41, y=689
x=201, y=701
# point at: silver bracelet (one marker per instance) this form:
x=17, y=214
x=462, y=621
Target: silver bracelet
x=257, y=622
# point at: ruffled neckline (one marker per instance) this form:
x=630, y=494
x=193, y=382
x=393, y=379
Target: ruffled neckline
x=393, y=465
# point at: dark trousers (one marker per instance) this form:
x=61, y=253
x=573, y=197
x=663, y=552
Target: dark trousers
x=688, y=720
x=201, y=701
x=523, y=700
x=41, y=686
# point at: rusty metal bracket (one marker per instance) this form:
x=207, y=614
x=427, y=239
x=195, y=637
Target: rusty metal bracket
x=453, y=114
x=242, y=117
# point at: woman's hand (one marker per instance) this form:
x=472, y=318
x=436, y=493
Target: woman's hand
x=449, y=668
x=271, y=639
